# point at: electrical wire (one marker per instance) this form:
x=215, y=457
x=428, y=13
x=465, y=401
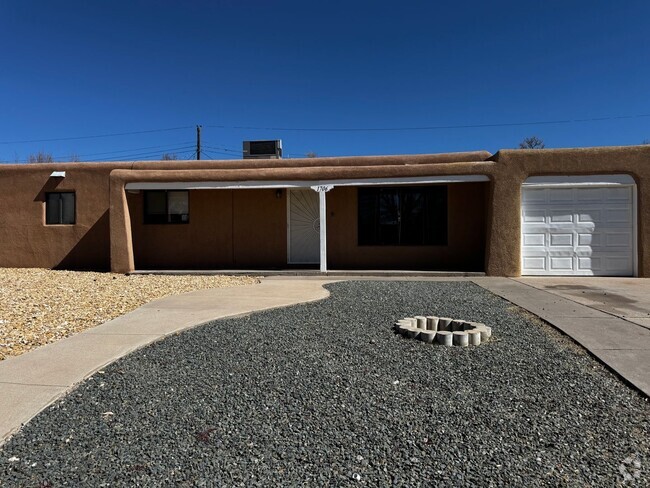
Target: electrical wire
x=335, y=129
x=118, y=158
x=98, y=136
x=129, y=157
x=158, y=148
x=424, y=128
x=221, y=148
x=211, y=154
x=239, y=152
x=161, y=148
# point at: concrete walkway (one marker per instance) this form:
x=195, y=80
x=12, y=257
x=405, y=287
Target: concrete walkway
x=619, y=340
x=32, y=381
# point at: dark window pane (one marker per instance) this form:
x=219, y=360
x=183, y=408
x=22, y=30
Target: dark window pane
x=389, y=216
x=413, y=210
x=155, y=207
x=68, y=208
x=155, y=202
x=52, y=209
x=367, y=216
x=402, y=216
x=60, y=208
x=166, y=207
x=389, y=211
x=435, y=224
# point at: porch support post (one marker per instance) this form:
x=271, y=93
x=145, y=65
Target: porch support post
x=322, y=211
x=121, y=241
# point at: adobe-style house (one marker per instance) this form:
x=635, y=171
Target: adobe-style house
x=517, y=212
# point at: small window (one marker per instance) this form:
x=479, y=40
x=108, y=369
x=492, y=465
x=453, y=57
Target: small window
x=166, y=207
x=59, y=208
x=403, y=216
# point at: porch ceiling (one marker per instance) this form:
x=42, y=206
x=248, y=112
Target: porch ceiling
x=207, y=185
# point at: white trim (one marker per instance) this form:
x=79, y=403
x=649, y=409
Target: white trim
x=322, y=188
x=241, y=185
x=580, y=180
x=288, y=226
x=322, y=209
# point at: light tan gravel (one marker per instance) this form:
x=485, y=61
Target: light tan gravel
x=39, y=306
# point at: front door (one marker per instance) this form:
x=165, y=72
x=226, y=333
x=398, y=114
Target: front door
x=303, y=234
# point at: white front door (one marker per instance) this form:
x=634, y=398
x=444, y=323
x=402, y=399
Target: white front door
x=303, y=233
x=577, y=230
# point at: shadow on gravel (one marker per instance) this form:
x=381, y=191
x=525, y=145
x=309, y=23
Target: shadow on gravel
x=326, y=394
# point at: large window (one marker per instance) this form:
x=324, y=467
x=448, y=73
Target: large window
x=166, y=207
x=59, y=208
x=403, y=216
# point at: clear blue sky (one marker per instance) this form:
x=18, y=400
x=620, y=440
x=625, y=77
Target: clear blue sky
x=81, y=68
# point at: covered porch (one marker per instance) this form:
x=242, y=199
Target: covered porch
x=433, y=223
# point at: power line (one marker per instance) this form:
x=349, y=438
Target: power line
x=97, y=136
x=126, y=156
x=141, y=155
x=433, y=127
x=221, y=148
x=162, y=148
x=336, y=129
x=158, y=148
x=211, y=153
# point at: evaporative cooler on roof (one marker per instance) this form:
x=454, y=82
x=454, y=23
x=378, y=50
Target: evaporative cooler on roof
x=263, y=149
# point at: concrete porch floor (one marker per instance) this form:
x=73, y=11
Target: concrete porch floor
x=301, y=273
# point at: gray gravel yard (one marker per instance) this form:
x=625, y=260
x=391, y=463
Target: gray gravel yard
x=326, y=394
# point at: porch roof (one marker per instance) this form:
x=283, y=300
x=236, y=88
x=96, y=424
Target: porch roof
x=314, y=184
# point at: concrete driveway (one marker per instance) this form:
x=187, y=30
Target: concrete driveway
x=610, y=317
x=627, y=298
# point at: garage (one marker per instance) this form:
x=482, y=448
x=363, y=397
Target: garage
x=579, y=226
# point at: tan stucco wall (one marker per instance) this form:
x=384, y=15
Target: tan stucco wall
x=514, y=166
x=25, y=240
x=466, y=235
x=102, y=203
x=442, y=158
x=227, y=230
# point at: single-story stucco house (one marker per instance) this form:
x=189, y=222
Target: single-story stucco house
x=518, y=212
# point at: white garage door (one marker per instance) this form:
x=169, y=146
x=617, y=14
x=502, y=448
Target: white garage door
x=578, y=230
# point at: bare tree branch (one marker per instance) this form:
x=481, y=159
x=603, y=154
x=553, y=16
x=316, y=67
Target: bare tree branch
x=532, y=142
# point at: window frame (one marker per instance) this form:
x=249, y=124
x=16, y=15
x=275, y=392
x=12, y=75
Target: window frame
x=61, y=212
x=149, y=219
x=433, y=221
